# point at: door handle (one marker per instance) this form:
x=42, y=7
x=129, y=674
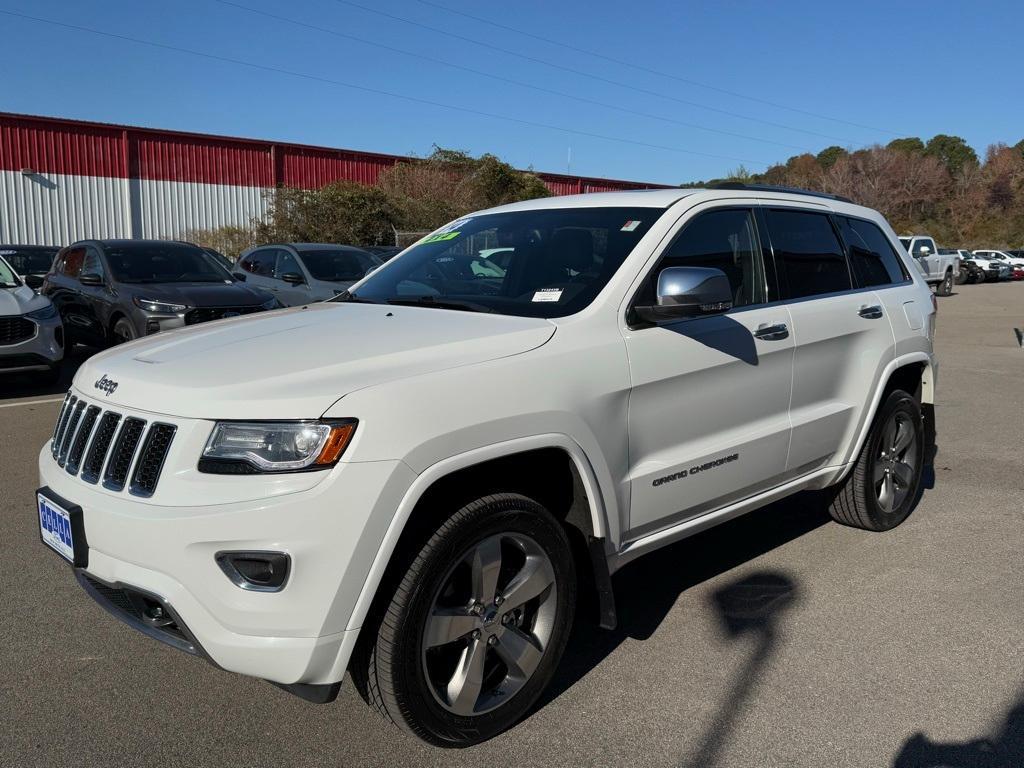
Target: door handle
x=874, y=312
x=773, y=332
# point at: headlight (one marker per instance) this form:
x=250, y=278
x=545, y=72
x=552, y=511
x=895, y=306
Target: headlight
x=245, y=448
x=160, y=307
x=49, y=312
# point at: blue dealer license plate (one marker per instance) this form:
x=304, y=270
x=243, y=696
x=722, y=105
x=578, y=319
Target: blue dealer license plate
x=56, y=527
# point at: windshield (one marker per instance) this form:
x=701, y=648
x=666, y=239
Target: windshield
x=29, y=261
x=7, y=277
x=535, y=263
x=342, y=264
x=164, y=263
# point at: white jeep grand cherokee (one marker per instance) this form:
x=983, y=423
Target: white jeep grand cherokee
x=416, y=480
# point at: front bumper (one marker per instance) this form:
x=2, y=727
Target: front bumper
x=41, y=352
x=331, y=529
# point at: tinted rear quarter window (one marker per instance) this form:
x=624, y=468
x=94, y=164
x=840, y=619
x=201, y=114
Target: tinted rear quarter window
x=872, y=258
x=808, y=255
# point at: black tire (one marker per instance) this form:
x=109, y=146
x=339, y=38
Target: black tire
x=390, y=668
x=123, y=331
x=945, y=288
x=855, y=501
x=962, y=276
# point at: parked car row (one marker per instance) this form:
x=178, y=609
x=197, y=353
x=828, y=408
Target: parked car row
x=105, y=292
x=943, y=267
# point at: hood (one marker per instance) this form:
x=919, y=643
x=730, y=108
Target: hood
x=296, y=363
x=198, y=294
x=18, y=301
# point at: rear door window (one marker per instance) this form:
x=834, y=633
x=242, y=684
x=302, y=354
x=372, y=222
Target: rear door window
x=808, y=255
x=261, y=262
x=873, y=260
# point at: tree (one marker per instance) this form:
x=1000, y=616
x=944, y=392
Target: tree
x=951, y=151
x=829, y=155
x=911, y=145
x=429, y=192
x=344, y=212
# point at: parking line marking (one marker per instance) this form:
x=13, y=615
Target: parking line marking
x=33, y=402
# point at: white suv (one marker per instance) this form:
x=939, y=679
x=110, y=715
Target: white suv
x=415, y=480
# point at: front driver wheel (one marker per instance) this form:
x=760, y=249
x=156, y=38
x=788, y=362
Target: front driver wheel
x=476, y=628
x=124, y=331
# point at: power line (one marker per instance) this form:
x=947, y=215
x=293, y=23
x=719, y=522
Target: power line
x=652, y=71
x=618, y=83
x=366, y=89
x=500, y=78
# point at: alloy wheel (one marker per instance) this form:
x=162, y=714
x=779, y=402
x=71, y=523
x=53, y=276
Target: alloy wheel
x=490, y=624
x=896, y=464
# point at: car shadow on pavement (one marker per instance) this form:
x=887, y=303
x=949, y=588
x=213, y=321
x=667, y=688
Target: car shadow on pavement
x=647, y=589
x=26, y=385
x=1005, y=749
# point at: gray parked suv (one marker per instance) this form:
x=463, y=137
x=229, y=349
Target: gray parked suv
x=298, y=273
x=111, y=291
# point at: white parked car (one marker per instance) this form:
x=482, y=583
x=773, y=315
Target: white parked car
x=31, y=333
x=415, y=480
x=993, y=268
x=1003, y=257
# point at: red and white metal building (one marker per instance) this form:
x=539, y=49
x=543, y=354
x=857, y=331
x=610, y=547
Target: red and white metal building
x=64, y=180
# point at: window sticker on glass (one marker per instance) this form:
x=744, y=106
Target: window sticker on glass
x=440, y=237
x=630, y=225
x=548, y=294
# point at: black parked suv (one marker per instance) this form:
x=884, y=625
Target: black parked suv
x=111, y=291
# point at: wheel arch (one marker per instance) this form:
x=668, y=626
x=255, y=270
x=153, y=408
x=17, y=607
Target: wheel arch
x=465, y=474
x=915, y=373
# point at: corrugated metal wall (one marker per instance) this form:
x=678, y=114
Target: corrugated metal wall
x=57, y=209
x=64, y=180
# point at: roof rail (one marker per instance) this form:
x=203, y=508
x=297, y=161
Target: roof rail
x=776, y=188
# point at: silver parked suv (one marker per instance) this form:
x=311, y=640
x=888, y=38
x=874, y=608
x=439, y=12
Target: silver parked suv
x=298, y=273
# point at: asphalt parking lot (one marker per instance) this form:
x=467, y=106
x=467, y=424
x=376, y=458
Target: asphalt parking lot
x=779, y=639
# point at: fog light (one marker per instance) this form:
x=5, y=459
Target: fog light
x=256, y=571
x=152, y=326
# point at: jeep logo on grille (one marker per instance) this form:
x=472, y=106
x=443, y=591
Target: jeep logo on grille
x=103, y=384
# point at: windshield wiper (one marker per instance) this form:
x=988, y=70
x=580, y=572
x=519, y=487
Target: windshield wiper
x=351, y=298
x=430, y=301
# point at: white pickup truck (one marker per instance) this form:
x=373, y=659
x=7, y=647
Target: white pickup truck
x=938, y=269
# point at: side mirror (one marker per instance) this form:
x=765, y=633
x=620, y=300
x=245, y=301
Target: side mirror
x=923, y=251
x=34, y=281
x=685, y=292
x=293, y=278
x=90, y=278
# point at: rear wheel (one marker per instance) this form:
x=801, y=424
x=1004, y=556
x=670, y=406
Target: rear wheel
x=881, y=490
x=945, y=288
x=477, y=626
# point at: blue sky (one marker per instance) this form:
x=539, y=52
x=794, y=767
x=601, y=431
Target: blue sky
x=891, y=68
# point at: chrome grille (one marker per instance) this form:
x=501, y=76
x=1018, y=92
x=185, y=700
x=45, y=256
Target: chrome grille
x=65, y=444
x=62, y=424
x=151, y=459
x=101, y=444
x=78, y=444
x=124, y=452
